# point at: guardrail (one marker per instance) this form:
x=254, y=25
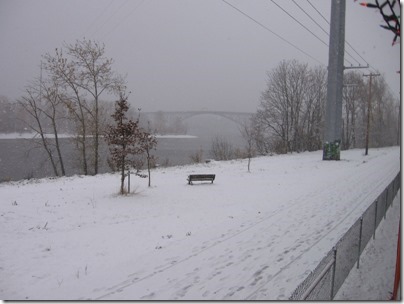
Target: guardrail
x=326, y=279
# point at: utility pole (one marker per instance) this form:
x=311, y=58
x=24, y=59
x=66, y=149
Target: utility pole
x=399, y=124
x=369, y=106
x=333, y=115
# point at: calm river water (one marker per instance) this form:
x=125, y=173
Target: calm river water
x=20, y=159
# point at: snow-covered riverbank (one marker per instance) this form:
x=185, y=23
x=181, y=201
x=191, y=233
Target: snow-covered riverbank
x=246, y=236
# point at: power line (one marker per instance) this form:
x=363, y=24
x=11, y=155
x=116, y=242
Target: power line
x=312, y=19
x=272, y=32
x=322, y=16
x=318, y=12
x=99, y=15
x=125, y=17
x=307, y=29
x=110, y=16
x=301, y=24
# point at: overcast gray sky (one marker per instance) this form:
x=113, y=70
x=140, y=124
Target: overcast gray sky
x=182, y=55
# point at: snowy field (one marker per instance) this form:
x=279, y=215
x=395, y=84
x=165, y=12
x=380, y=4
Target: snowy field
x=246, y=236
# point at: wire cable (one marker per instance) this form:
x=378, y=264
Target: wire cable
x=302, y=25
x=318, y=11
x=322, y=16
x=312, y=19
x=124, y=18
x=109, y=18
x=272, y=32
x=99, y=15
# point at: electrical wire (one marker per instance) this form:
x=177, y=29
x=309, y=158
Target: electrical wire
x=109, y=18
x=322, y=16
x=99, y=15
x=272, y=32
x=312, y=19
x=306, y=28
x=370, y=66
x=301, y=24
x=318, y=11
x=124, y=18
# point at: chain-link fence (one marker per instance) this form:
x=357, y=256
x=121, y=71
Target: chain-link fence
x=325, y=281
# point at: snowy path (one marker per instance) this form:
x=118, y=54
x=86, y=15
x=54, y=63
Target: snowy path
x=248, y=236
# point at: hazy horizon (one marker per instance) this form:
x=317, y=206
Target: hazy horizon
x=188, y=56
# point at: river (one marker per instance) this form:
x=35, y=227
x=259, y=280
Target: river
x=20, y=158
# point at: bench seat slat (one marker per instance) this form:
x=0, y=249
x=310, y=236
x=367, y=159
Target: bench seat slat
x=201, y=177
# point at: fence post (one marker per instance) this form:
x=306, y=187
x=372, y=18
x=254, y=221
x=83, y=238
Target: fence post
x=360, y=242
x=374, y=228
x=333, y=272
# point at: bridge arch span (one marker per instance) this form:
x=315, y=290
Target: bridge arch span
x=236, y=117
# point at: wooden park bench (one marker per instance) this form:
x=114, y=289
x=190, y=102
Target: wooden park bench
x=200, y=177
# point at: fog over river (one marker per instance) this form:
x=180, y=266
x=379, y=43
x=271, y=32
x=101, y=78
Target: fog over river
x=21, y=159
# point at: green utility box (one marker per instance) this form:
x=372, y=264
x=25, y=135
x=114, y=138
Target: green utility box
x=332, y=151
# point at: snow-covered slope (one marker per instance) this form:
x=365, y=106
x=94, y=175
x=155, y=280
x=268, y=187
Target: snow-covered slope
x=246, y=236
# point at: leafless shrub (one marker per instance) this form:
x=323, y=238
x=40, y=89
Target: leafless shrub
x=222, y=149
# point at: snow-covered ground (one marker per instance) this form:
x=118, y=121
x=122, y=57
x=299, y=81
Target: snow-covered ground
x=29, y=135
x=246, y=236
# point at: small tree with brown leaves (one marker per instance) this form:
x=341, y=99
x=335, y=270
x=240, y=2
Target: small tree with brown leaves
x=125, y=140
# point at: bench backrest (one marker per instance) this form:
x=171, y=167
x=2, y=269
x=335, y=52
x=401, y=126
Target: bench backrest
x=202, y=176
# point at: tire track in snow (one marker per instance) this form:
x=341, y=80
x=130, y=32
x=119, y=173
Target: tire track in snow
x=363, y=198
x=127, y=283
x=120, y=286
x=311, y=244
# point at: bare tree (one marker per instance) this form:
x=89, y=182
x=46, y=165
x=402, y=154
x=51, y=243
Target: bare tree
x=261, y=138
x=384, y=118
x=148, y=142
x=353, y=97
x=221, y=149
x=197, y=156
x=85, y=74
x=43, y=102
x=291, y=113
x=248, y=133
x=313, y=111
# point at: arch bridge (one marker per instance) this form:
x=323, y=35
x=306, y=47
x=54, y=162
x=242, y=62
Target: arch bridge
x=236, y=117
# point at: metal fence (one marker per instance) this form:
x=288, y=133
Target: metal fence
x=327, y=278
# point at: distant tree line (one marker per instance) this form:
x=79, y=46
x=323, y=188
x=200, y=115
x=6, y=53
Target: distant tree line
x=290, y=117
x=12, y=119
x=69, y=97
x=291, y=113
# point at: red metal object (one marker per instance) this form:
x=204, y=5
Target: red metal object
x=398, y=274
